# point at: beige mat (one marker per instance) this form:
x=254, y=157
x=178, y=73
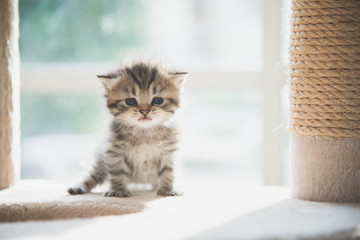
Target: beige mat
x=45, y=200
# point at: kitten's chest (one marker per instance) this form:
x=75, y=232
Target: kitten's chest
x=146, y=160
x=150, y=148
x=145, y=153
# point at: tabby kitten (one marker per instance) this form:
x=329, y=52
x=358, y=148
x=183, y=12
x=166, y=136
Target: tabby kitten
x=142, y=98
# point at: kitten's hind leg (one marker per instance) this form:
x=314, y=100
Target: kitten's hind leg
x=96, y=176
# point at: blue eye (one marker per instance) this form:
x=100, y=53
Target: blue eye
x=158, y=100
x=130, y=101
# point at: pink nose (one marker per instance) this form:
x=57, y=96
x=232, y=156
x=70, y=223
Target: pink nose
x=144, y=111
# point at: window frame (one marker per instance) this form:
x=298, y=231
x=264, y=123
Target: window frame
x=80, y=78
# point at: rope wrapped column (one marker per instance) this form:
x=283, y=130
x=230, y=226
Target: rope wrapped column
x=9, y=93
x=325, y=100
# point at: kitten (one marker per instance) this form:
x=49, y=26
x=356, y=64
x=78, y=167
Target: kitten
x=142, y=99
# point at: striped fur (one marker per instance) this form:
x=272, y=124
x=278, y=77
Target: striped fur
x=143, y=137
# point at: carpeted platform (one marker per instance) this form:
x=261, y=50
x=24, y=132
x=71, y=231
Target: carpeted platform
x=46, y=200
x=204, y=212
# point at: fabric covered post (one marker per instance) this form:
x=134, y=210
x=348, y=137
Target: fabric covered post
x=325, y=100
x=9, y=93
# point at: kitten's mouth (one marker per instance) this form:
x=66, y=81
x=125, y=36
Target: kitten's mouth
x=144, y=119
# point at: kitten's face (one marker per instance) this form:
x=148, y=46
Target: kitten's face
x=142, y=96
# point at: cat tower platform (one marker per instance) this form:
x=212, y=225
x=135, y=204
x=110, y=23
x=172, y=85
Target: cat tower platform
x=37, y=209
x=325, y=137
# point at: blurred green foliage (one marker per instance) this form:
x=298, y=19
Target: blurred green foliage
x=71, y=31
x=80, y=30
x=60, y=114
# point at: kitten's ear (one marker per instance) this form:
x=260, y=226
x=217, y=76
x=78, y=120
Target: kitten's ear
x=107, y=81
x=178, y=78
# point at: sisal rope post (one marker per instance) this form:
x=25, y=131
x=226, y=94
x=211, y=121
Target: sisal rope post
x=9, y=93
x=325, y=100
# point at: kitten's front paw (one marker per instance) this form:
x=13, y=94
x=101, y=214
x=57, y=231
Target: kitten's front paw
x=76, y=190
x=117, y=194
x=171, y=193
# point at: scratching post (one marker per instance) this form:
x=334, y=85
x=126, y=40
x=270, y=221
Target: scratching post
x=9, y=93
x=325, y=100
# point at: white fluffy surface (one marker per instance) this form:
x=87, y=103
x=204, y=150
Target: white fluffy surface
x=204, y=212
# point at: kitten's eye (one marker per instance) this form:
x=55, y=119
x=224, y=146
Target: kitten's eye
x=130, y=101
x=157, y=100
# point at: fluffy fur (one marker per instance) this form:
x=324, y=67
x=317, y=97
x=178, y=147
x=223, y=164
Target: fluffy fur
x=142, y=98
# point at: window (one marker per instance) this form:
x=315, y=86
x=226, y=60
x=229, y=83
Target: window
x=202, y=35
x=227, y=122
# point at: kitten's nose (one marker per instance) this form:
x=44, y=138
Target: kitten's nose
x=144, y=111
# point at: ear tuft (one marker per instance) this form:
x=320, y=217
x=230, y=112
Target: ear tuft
x=110, y=76
x=179, y=73
x=107, y=81
x=178, y=78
